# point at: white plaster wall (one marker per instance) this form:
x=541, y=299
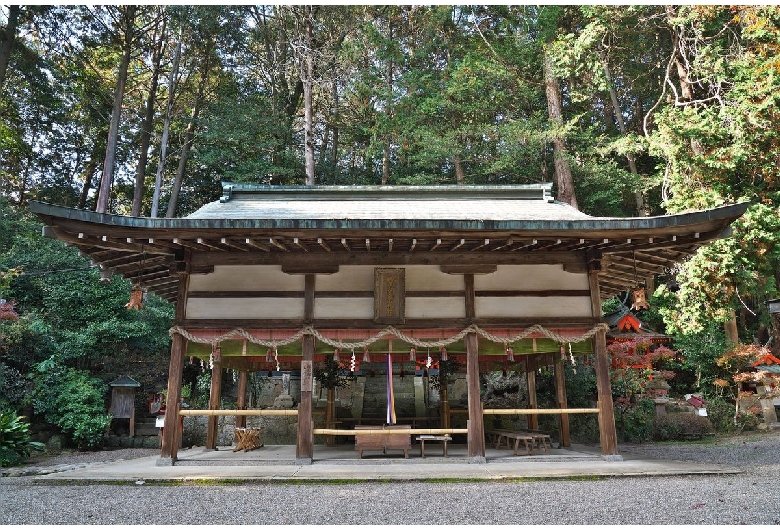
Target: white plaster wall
x=436, y=307
x=245, y=308
x=247, y=278
x=362, y=308
x=348, y=278
x=531, y=278
x=430, y=278
x=533, y=306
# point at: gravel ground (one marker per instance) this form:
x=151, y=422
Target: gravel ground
x=749, y=498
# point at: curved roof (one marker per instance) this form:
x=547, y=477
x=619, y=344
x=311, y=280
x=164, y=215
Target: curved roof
x=385, y=225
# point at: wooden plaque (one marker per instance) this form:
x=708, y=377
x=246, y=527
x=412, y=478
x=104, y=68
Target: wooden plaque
x=307, y=376
x=389, y=292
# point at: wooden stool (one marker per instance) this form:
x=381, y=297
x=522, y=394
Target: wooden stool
x=433, y=438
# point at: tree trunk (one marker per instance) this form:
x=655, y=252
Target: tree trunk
x=641, y=206
x=308, y=86
x=7, y=39
x=188, y=136
x=92, y=165
x=730, y=327
x=113, y=131
x=334, y=155
x=563, y=174
x=460, y=175
x=146, y=128
x=166, y=127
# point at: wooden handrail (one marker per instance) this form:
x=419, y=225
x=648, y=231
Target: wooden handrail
x=389, y=430
x=540, y=411
x=247, y=412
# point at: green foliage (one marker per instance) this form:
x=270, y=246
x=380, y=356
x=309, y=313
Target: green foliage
x=747, y=421
x=635, y=422
x=681, y=427
x=14, y=386
x=721, y=414
x=447, y=369
x=330, y=374
x=73, y=401
x=15, y=444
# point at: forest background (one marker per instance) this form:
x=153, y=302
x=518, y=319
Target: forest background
x=145, y=110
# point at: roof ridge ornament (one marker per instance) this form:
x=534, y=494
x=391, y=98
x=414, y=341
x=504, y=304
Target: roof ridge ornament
x=227, y=192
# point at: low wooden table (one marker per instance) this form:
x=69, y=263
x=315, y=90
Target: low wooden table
x=247, y=439
x=433, y=438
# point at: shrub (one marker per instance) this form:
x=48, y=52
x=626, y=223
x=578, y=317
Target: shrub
x=681, y=427
x=721, y=414
x=747, y=421
x=15, y=444
x=634, y=422
x=73, y=401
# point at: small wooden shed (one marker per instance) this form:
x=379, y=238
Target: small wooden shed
x=123, y=399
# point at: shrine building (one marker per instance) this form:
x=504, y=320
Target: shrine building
x=290, y=274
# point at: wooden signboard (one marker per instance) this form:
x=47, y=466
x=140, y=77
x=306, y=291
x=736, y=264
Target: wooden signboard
x=389, y=291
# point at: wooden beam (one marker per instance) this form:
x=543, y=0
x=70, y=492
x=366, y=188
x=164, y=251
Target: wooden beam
x=252, y=243
x=468, y=269
x=170, y=439
x=369, y=324
x=607, y=432
x=476, y=434
x=457, y=246
x=278, y=244
x=322, y=243
x=390, y=258
x=303, y=268
x=298, y=243
x=304, y=449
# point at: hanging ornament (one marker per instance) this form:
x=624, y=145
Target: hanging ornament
x=413, y=354
x=352, y=362
x=428, y=361
x=216, y=352
x=640, y=299
x=137, y=292
x=336, y=355
x=366, y=356
x=268, y=355
x=573, y=362
x=276, y=358
x=136, y=298
x=510, y=353
x=443, y=353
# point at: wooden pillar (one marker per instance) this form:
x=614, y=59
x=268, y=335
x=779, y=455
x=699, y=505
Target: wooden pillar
x=214, y=398
x=607, y=433
x=304, y=450
x=532, y=420
x=241, y=398
x=476, y=434
x=560, y=394
x=171, y=436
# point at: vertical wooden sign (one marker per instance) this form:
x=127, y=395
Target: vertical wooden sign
x=389, y=292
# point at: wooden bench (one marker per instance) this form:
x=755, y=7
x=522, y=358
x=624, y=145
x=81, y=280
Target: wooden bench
x=445, y=439
x=392, y=437
x=541, y=440
x=498, y=436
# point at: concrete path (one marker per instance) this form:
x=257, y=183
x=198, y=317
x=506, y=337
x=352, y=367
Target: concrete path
x=277, y=463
